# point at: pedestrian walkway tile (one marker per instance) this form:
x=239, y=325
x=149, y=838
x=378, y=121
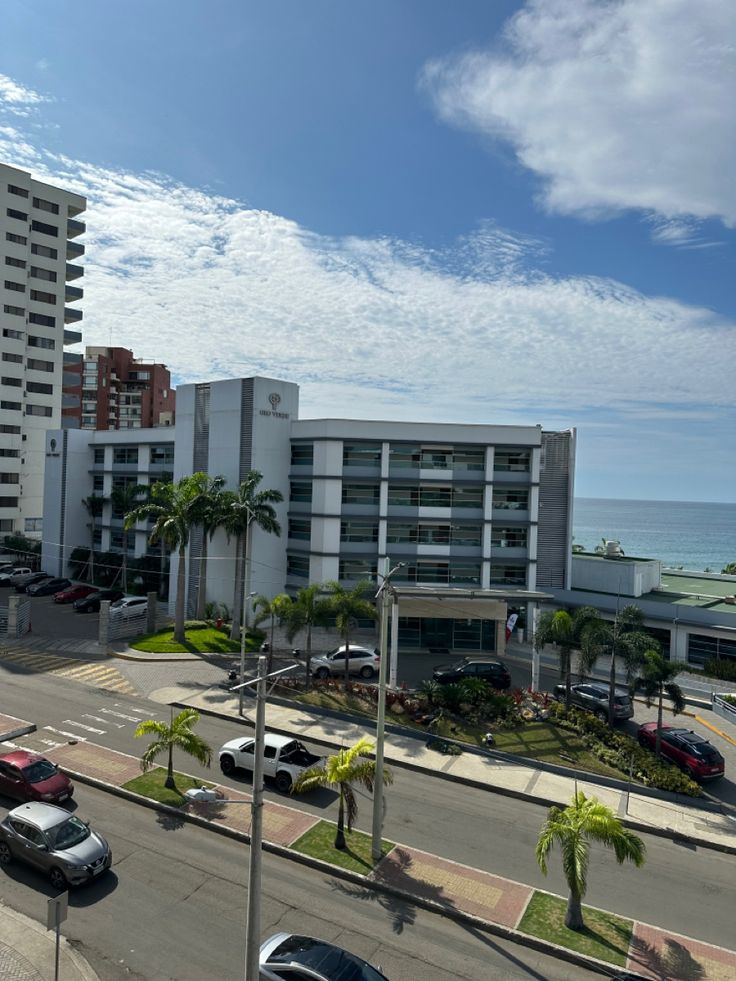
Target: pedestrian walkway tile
x=97, y=761
x=662, y=954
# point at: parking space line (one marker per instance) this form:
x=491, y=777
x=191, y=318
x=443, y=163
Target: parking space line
x=69, y=735
x=81, y=725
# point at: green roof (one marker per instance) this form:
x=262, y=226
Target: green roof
x=682, y=589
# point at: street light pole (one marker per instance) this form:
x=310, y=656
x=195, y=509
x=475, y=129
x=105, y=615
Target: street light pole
x=253, y=918
x=384, y=596
x=243, y=632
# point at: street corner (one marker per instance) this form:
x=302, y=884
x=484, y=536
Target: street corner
x=97, y=762
x=10, y=727
x=660, y=953
x=454, y=886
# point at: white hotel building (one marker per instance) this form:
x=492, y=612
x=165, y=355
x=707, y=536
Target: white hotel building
x=38, y=253
x=470, y=509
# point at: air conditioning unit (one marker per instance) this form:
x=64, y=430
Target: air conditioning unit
x=613, y=550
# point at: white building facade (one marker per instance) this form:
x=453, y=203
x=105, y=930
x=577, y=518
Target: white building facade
x=40, y=277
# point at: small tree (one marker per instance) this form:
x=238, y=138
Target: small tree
x=657, y=677
x=275, y=610
x=125, y=500
x=729, y=570
x=308, y=610
x=177, y=734
x=573, y=828
x=94, y=506
x=207, y=513
x=347, y=606
x=345, y=768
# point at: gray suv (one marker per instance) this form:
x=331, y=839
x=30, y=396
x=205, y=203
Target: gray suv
x=593, y=696
x=55, y=842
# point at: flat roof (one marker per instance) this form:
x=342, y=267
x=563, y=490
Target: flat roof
x=681, y=589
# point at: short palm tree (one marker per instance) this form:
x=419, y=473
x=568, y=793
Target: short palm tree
x=309, y=609
x=573, y=828
x=125, y=499
x=657, y=677
x=177, y=734
x=207, y=513
x=94, y=506
x=345, y=768
x=625, y=638
x=242, y=508
x=276, y=610
x=569, y=631
x=347, y=606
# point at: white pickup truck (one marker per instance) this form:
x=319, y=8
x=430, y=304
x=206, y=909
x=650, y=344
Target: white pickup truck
x=284, y=758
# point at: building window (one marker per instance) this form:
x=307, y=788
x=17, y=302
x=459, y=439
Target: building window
x=517, y=461
x=361, y=494
x=10, y=260
x=16, y=287
x=357, y=569
x=300, y=528
x=9, y=478
x=39, y=388
x=508, y=574
x=17, y=239
x=358, y=531
x=11, y=454
x=15, y=335
x=14, y=311
x=99, y=455
x=300, y=491
x=8, y=502
x=116, y=540
x=41, y=320
x=46, y=206
x=508, y=537
x=41, y=226
x=20, y=191
x=46, y=251
x=36, y=365
x=20, y=215
x=40, y=297
x=701, y=648
x=10, y=406
x=302, y=454
x=162, y=455
x=469, y=459
x=10, y=430
x=45, y=342
x=13, y=358
x=125, y=454
x=98, y=483
x=48, y=274
x=38, y=410
x=467, y=497
x=297, y=565
x=12, y=382
x=361, y=454
x=511, y=500
x=34, y=524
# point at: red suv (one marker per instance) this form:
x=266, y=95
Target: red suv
x=28, y=776
x=691, y=752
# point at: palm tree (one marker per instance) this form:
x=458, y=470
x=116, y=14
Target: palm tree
x=625, y=638
x=276, y=610
x=241, y=509
x=94, y=506
x=729, y=570
x=657, y=678
x=573, y=828
x=347, y=606
x=125, y=499
x=170, y=506
x=177, y=734
x=345, y=768
x=568, y=632
x=307, y=610
x=206, y=513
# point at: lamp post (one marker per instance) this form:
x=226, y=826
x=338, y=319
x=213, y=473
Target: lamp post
x=243, y=631
x=385, y=597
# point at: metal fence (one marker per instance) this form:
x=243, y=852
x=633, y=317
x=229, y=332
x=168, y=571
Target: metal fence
x=723, y=708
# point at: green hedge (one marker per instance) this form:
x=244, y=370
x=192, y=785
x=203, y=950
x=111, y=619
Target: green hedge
x=617, y=750
x=725, y=670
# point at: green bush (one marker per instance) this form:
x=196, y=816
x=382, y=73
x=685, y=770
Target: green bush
x=716, y=668
x=623, y=752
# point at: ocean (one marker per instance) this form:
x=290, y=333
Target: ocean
x=693, y=535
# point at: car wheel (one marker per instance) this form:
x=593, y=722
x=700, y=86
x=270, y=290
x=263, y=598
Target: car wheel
x=283, y=783
x=227, y=765
x=322, y=673
x=367, y=671
x=58, y=879
x=642, y=741
x=6, y=856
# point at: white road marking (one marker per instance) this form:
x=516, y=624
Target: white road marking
x=69, y=735
x=121, y=715
x=81, y=725
x=108, y=722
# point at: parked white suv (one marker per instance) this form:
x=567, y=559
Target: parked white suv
x=364, y=661
x=128, y=606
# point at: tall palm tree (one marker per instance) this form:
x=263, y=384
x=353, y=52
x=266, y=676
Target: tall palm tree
x=569, y=632
x=657, y=677
x=206, y=513
x=625, y=638
x=345, y=768
x=276, y=610
x=94, y=506
x=309, y=609
x=573, y=828
x=242, y=508
x=347, y=606
x=125, y=499
x=170, y=506
x=177, y=734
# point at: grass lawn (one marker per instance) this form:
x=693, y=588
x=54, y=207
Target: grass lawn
x=319, y=842
x=200, y=639
x=604, y=936
x=151, y=785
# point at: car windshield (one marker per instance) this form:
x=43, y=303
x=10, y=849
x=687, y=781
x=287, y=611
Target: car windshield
x=68, y=833
x=39, y=771
x=622, y=699
x=330, y=962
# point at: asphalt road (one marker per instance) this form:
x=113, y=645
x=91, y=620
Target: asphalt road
x=173, y=907
x=688, y=889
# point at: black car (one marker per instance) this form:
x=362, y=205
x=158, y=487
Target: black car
x=487, y=669
x=593, y=696
x=91, y=603
x=35, y=577
x=47, y=587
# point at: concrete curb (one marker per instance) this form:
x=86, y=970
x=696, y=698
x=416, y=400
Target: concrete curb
x=84, y=970
x=20, y=731
x=507, y=933
x=502, y=791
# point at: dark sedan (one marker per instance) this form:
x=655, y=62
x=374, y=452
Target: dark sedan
x=22, y=584
x=91, y=603
x=48, y=587
x=487, y=669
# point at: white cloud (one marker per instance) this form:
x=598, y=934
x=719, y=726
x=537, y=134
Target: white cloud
x=614, y=104
x=17, y=99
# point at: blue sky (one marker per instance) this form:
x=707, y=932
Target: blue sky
x=488, y=212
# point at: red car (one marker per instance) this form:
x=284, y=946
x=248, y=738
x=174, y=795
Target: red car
x=72, y=593
x=28, y=776
x=685, y=748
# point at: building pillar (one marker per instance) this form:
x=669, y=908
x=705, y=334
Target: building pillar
x=501, y=636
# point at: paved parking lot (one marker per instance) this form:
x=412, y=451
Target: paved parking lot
x=59, y=620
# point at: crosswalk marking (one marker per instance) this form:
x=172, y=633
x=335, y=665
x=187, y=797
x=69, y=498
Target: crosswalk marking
x=95, y=673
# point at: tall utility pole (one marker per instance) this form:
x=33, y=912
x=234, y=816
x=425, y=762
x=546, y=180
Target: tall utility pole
x=384, y=597
x=243, y=632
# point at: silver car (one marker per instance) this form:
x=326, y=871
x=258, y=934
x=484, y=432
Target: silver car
x=55, y=842
x=287, y=955
x=364, y=661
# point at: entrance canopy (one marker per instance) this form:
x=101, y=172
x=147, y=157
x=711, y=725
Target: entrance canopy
x=445, y=602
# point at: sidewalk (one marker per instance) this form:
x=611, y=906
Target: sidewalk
x=28, y=951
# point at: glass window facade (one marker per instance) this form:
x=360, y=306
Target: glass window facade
x=511, y=499
x=300, y=528
x=300, y=491
x=302, y=454
x=358, y=531
x=360, y=494
x=516, y=460
x=361, y=454
x=297, y=565
x=357, y=569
